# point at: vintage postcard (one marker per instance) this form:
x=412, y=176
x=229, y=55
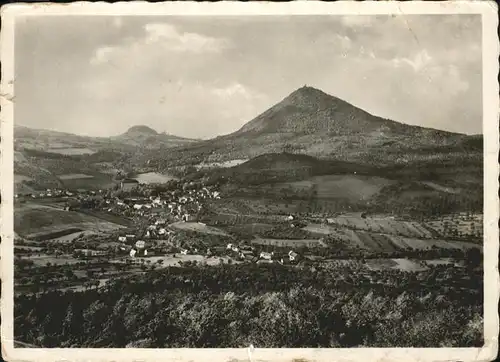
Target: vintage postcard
x=229, y=181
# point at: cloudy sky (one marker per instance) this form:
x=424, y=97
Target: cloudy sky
x=204, y=76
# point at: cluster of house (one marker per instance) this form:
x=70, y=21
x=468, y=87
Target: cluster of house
x=291, y=257
x=248, y=253
x=46, y=193
x=180, y=207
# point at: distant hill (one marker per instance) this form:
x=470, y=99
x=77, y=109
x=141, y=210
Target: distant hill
x=139, y=130
x=135, y=136
x=42, y=156
x=147, y=137
x=309, y=121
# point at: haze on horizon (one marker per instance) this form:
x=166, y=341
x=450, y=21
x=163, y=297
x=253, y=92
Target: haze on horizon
x=201, y=77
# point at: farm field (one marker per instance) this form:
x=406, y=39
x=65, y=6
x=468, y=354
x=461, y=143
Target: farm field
x=258, y=206
x=225, y=164
x=437, y=187
x=382, y=225
x=153, y=177
x=249, y=229
x=458, y=225
x=385, y=242
x=31, y=220
x=194, y=226
x=94, y=181
x=74, y=176
x=69, y=237
x=400, y=264
x=70, y=151
x=43, y=259
x=348, y=186
x=287, y=242
x=21, y=178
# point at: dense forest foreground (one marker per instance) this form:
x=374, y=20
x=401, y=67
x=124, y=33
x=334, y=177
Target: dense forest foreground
x=265, y=305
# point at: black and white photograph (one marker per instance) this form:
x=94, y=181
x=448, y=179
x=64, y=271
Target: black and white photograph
x=267, y=178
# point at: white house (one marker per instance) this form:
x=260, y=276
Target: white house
x=229, y=246
x=137, y=206
x=184, y=251
x=122, y=238
x=290, y=217
x=266, y=256
x=162, y=231
x=292, y=255
x=132, y=253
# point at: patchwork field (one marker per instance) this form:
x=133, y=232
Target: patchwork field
x=383, y=225
x=383, y=241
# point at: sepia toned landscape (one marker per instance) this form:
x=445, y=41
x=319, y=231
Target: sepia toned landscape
x=314, y=223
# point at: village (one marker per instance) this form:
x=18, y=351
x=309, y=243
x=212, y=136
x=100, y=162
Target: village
x=158, y=226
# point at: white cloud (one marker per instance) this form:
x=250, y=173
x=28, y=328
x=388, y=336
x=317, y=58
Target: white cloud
x=159, y=38
x=234, y=90
x=418, y=62
x=170, y=37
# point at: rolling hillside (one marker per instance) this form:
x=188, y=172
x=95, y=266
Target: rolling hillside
x=302, y=183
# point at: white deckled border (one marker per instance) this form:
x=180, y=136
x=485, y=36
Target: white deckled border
x=487, y=9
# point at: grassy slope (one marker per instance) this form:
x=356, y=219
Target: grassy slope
x=30, y=219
